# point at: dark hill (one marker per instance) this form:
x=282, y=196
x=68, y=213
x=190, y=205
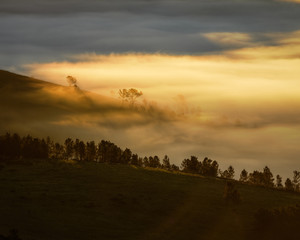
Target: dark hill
x=74, y=201
x=22, y=93
x=41, y=108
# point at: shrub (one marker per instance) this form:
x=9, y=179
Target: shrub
x=231, y=194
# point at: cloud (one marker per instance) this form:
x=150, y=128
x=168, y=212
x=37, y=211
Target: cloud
x=230, y=39
x=234, y=64
x=154, y=7
x=251, y=74
x=293, y=1
x=266, y=133
x=284, y=48
x=36, y=101
x=53, y=30
x=238, y=107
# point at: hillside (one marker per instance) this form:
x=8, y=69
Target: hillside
x=41, y=94
x=76, y=201
x=38, y=105
x=41, y=108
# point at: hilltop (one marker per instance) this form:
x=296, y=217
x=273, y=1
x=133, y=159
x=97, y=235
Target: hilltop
x=18, y=88
x=24, y=97
x=30, y=105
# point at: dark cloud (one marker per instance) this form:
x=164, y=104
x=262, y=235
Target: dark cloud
x=195, y=8
x=37, y=30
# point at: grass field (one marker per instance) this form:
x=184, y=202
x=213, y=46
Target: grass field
x=73, y=201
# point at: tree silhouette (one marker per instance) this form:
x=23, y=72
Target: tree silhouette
x=91, y=151
x=190, y=165
x=10, y=147
x=166, y=163
x=256, y=178
x=129, y=95
x=81, y=150
x=69, y=148
x=264, y=178
x=209, y=167
x=146, y=162
x=279, y=181
x=231, y=195
x=229, y=173
x=289, y=185
x=135, y=160
x=13, y=147
x=126, y=156
x=268, y=177
x=58, y=151
x=72, y=81
x=109, y=152
x=244, y=176
x=174, y=168
x=34, y=148
x=76, y=148
x=296, y=180
x=154, y=162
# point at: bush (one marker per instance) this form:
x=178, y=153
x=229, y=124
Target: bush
x=231, y=194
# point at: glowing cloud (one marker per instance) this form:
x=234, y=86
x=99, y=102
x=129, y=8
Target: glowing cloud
x=263, y=73
x=295, y=1
x=230, y=39
x=220, y=97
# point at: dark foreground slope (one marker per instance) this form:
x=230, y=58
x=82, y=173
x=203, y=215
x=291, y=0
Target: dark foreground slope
x=98, y=201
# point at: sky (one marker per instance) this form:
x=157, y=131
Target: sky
x=228, y=70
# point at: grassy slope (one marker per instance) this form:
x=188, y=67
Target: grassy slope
x=99, y=201
x=28, y=105
x=31, y=99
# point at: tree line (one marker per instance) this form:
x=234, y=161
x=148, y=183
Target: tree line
x=14, y=147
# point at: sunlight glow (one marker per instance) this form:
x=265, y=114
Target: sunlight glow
x=259, y=73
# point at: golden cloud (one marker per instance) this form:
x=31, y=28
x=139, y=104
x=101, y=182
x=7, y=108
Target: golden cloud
x=240, y=105
x=235, y=39
x=262, y=73
x=295, y=1
x=248, y=88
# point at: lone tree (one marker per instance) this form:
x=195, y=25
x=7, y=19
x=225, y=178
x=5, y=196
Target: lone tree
x=129, y=95
x=231, y=194
x=72, y=81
